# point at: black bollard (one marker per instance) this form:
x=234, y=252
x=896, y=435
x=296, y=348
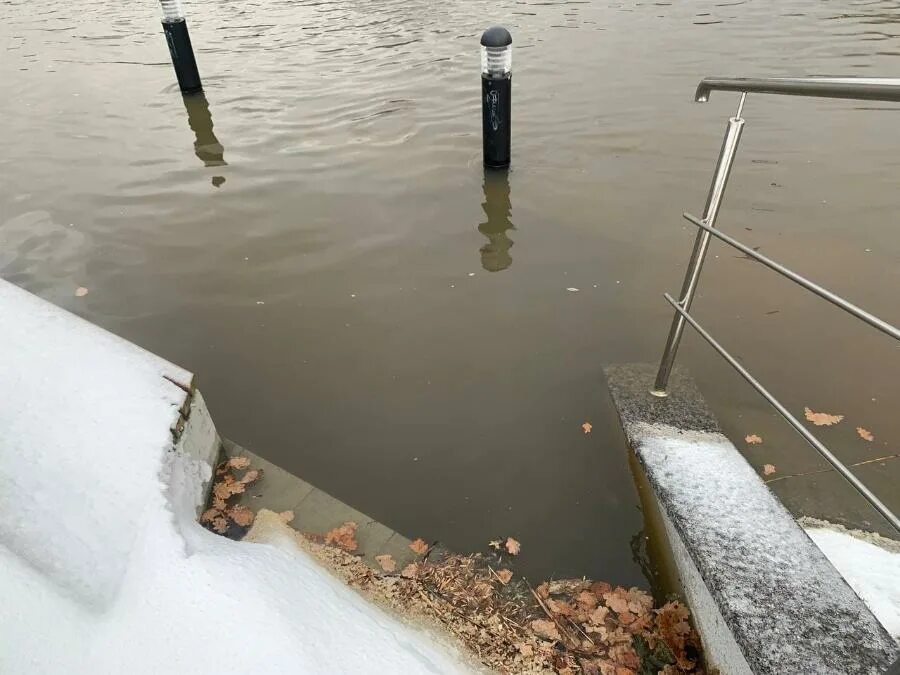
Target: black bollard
x=496, y=95
x=179, y=40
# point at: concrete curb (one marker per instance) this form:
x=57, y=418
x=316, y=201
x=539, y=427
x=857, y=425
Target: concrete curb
x=317, y=512
x=764, y=597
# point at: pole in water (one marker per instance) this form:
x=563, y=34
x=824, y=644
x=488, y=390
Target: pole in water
x=179, y=40
x=496, y=96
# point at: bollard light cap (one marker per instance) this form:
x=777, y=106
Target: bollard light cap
x=496, y=36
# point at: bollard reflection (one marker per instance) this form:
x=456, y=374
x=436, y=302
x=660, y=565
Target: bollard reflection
x=495, y=255
x=206, y=145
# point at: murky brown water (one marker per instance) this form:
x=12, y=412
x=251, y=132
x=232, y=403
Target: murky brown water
x=366, y=308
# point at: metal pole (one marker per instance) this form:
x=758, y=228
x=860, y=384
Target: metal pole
x=793, y=421
x=701, y=244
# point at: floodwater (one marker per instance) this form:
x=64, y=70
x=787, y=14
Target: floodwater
x=365, y=306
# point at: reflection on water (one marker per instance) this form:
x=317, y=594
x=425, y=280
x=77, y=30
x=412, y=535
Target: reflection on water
x=495, y=256
x=206, y=145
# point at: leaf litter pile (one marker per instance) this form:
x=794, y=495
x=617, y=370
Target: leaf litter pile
x=568, y=626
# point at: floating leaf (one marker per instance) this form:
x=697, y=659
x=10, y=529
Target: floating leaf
x=865, y=434
x=419, y=547
x=495, y=544
x=411, y=571
x=505, y=576
x=768, y=469
x=512, y=546
x=80, y=292
x=753, y=439
x=822, y=419
x=343, y=537
x=209, y=515
x=286, y=516
x=220, y=525
x=587, y=426
x=387, y=562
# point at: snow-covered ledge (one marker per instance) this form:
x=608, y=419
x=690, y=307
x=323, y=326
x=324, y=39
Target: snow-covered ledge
x=104, y=452
x=765, y=599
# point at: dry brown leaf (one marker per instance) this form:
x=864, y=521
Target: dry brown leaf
x=617, y=600
x=224, y=489
x=343, y=537
x=251, y=476
x=495, y=543
x=587, y=600
x=241, y=515
x=512, y=546
x=218, y=503
x=80, y=292
x=419, y=547
x=411, y=571
x=209, y=515
x=238, y=462
x=286, y=516
x=768, y=469
x=387, y=562
x=587, y=426
x=505, y=576
x=220, y=525
x=822, y=419
x=545, y=629
x=526, y=649
x=753, y=439
x=865, y=434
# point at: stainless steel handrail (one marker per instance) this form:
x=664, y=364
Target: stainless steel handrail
x=793, y=421
x=822, y=292
x=858, y=88
x=879, y=89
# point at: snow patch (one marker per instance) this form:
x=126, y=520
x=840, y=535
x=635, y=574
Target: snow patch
x=103, y=568
x=869, y=563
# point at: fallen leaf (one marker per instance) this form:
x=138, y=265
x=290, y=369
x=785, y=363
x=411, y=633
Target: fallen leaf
x=587, y=600
x=753, y=439
x=209, y=515
x=505, y=576
x=768, y=469
x=617, y=600
x=495, y=544
x=218, y=504
x=526, y=649
x=80, y=292
x=822, y=419
x=241, y=515
x=238, y=462
x=220, y=525
x=512, y=546
x=286, y=516
x=587, y=426
x=224, y=489
x=545, y=629
x=411, y=571
x=419, y=547
x=251, y=476
x=387, y=562
x=343, y=537
x=865, y=434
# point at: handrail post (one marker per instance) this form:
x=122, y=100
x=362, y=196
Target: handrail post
x=730, y=144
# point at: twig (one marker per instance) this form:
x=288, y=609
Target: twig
x=552, y=617
x=812, y=473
